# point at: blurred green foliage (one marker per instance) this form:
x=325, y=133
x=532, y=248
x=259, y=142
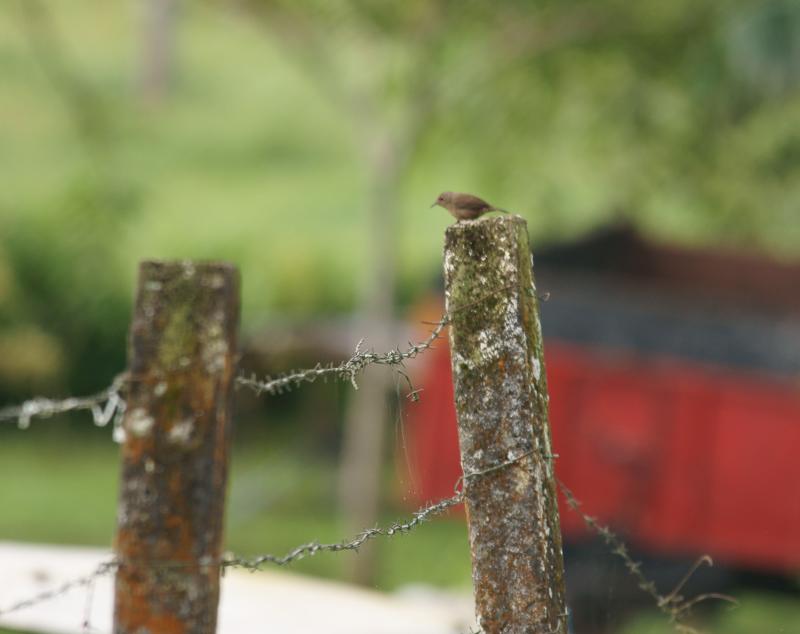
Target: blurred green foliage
x=283, y=117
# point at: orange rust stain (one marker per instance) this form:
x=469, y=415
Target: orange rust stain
x=135, y=449
x=181, y=544
x=129, y=546
x=175, y=484
x=165, y=623
x=135, y=618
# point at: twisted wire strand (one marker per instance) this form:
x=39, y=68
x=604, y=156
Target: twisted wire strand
x=302, y=551
x=252, y=563
x=104, y=406
x=101, y=570
x=347, y=370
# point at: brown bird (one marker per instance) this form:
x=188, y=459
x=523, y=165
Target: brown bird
x=464, y=206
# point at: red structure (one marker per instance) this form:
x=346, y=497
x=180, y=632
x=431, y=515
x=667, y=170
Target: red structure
x=674, y=381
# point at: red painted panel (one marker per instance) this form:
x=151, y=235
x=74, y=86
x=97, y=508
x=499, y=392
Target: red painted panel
x=755, y=449
x=680, y=458
x=616, y=437
x=676, y=520
x=431, y=436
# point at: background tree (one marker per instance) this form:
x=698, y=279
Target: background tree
x=159, y=30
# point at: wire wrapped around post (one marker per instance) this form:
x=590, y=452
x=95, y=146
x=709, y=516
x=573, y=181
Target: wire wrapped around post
x=501, y=405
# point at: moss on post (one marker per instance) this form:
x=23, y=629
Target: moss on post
x=501, y=404
x=175, y=453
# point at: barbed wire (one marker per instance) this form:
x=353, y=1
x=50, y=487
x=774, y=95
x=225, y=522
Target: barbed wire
x=674, y=605
x=105, y=406
x=108, y=404
x=347, y=370
x=257, y=562
x=420, y=516
x=101, y=570
x=249, y=563
x=313, y=548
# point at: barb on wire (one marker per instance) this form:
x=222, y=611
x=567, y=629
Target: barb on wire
x=104, y=406
x=397, y=528
x=312, y=548
x=253, y=563
x=347, y=370
x=674, y=605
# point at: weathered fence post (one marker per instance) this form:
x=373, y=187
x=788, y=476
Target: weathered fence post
x=175, y=454
x=501, y=403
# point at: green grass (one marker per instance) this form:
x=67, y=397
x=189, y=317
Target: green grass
x=60, y=493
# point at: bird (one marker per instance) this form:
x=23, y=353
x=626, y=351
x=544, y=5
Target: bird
x=464, y=206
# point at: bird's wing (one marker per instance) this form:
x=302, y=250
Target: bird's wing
x=468, y=201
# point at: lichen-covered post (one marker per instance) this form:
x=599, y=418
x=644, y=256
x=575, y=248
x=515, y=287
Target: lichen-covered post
x=175, y=453
x=501, y=405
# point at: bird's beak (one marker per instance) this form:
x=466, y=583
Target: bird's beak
x=435, y=202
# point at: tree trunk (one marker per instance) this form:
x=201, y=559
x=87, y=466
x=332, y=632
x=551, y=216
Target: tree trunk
x=158, y=48
x=366, y=419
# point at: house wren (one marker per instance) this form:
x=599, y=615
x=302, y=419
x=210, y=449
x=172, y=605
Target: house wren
x=464, y=206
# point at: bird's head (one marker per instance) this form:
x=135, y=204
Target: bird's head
x=443, y=200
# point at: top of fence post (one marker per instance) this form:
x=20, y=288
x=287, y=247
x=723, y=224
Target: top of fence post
x=501, y=404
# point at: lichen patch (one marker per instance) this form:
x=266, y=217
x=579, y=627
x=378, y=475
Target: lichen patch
x=138, y=423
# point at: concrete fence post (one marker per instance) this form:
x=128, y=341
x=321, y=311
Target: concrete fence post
x=501, y=405
x=175, y=453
